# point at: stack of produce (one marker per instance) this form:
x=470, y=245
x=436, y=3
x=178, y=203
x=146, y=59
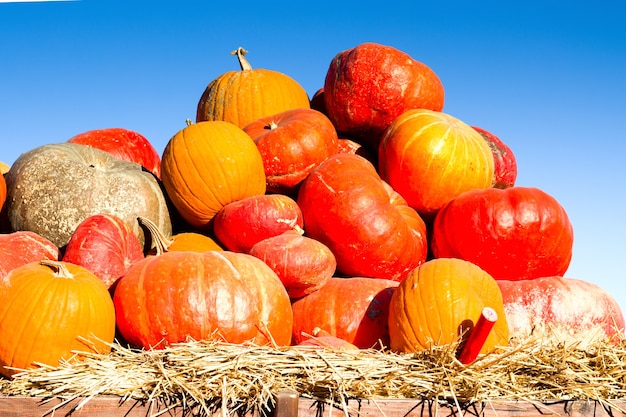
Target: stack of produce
x=365, y=215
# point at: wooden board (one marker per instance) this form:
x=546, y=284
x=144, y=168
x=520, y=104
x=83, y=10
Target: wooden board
x=289, y=405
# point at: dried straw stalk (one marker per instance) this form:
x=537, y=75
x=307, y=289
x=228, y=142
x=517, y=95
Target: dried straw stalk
x=210, y=376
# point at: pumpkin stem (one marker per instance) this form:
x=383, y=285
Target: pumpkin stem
x=271, y=125
x=59, y=268
x=243, y=62
x=161, y=242
x=188, y=122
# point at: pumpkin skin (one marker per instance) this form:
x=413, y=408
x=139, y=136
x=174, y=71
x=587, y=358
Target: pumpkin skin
x=304, y=265
x=524, y=233
x=241, y=224
x=365, y=223
x=213, y=295
x=370, y=85
x=241, y=97
x=208, y=165
x=124, y=144
x=54, y=305
x=321, y=339
x=505, y=164
x=561, y=310
x=20, y=248
x=55, y=187
x=105, y=245
x=441, y=299
x=431, y=157
x=354, y=309
x=292, y=144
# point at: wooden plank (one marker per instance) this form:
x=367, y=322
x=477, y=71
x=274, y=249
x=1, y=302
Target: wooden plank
x=289, y=405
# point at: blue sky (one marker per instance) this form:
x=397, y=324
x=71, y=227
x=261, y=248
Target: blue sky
x=548, y=79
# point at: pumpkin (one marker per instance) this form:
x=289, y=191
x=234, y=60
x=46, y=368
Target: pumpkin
x=303, y=264
x=105, y=245
x=20, y=248
x=180, y=242
x=55, y=187
x=124, y=144
x=514, y=233
x=354, y=309
x=370, y=85
x=561, y=310
x=241, y=97
x=208, y=165
x=292, y=143
x=441, y=300
x=49, y=311
x=363, y=221
x=431, y=157
x=321, y=339
x=212, y=295
x=505, y=164
x=241, y=224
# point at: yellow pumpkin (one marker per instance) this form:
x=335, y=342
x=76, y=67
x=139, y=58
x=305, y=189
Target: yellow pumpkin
x=241, y=97
x=430, y=157
x=48, y=311
x=207, y=165
x=439, y=301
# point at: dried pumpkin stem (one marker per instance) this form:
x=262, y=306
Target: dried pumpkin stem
x=60, y=269
x=161, y=242
x=243, y=62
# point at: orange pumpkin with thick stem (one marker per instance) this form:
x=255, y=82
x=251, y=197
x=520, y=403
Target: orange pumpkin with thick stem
x=50, y=310
x=212, y=295
x=431, y=157
x=179, y=242
x=439, y=301
x=241, y=97
x=207, y=165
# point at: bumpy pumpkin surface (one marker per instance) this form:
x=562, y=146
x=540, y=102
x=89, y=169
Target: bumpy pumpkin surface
x=241, y=97
x=207, y=165
x=50, y=310
x=441, y=299
x=431, y=157
x=55, y=187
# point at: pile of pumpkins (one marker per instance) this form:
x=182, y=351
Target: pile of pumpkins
x=362, y=217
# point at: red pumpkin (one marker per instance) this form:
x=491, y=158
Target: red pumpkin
x=516, y=233
x=365, y=223
x=241, y=224
x=214, y=295
x=124, y=144
x=505, y=165
x=292, y=144
x=561, y=310
x=105, y=245
x=20, y=248
x=303, y=264
x=353, y=309
x=317, y=101
x=321, y=339
x=368, y=86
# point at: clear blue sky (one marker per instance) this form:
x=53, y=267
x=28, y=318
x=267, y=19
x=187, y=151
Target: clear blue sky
x=547, y=77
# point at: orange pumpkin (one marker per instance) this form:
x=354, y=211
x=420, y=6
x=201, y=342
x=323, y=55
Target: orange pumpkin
x=241, y=97
x=431, y=157
x=48, y=311
x=212, y=295
x=208, y=165
x=439, y=301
